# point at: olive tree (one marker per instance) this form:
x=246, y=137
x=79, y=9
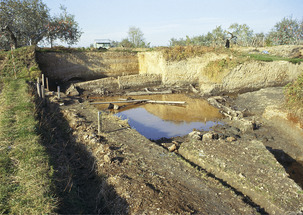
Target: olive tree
x=23, y=22
x=287, y=31
x=27, y=22
x=242, y=34
x=218, y=36
x=64, y=27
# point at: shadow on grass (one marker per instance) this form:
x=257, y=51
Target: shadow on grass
x=77, y=184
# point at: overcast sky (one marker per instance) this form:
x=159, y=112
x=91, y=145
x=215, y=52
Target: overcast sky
x=161, y=20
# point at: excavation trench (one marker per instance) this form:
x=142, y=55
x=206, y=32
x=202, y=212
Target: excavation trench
x=145, y=176
x=134, y=165
x=149, y=178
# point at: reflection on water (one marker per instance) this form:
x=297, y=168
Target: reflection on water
x=153, y=127
x=155, y=121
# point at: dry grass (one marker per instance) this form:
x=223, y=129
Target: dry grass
x=178, y=53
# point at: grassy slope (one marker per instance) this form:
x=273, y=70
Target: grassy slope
x=25, y=173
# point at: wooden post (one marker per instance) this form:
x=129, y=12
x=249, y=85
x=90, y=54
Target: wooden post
x=119, y=85
x=39, y=89
x=58, y=90
x=42, y=92
x=99, y=123
x=38, y=80
x=47, y=86
x=43, y=95
x=43, y=84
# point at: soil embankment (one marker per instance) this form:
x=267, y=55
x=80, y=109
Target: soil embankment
x=244, y=76
x=87, y=65
x=234, y=74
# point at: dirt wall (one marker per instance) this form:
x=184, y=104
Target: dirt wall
x=87, y=65
x=253, y=76
x=99, y=86
x=249, y=76
x=188, y=71
x=256, y=75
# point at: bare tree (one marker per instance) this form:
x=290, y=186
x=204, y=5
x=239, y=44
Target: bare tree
x=227, y=44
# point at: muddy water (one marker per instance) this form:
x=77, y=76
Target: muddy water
x=155, y=121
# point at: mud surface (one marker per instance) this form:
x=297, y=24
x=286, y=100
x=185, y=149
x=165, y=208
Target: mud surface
x=135, y=175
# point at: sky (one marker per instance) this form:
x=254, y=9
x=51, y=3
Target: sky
x=161, y=20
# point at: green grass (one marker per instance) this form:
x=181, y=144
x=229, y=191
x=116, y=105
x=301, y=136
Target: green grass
x=271, y=58
x=25, y=174
x=19, y=63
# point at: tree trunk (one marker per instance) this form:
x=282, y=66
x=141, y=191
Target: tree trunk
x=12, y=37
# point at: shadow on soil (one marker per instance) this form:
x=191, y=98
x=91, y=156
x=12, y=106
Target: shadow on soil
x=75, y=70
x=78, y=185
x=244, y=198
x=293, y=167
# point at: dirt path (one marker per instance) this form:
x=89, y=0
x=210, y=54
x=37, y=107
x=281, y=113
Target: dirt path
x=145, y=176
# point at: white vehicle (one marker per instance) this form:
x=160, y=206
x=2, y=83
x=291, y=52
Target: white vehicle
x=102, y=43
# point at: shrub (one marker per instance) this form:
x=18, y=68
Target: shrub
x=216, y=70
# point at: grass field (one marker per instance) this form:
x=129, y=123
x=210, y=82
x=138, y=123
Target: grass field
x=25, y=174
x=25, y=186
